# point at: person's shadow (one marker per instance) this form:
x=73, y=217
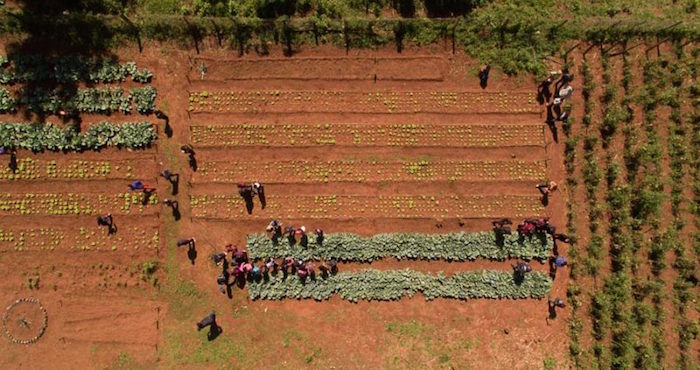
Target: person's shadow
x=193, y=163
x=248, y=203
x=545, y=199
x=550, y=123
x=214, y=332
x=13, y=162
x=175, y=182
x=192, y=254
x=261, y=196
x=176, y=213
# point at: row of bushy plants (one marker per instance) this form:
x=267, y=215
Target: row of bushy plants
x=30, y=68
x=90, y=100
x=386, y=285
x=685, y=284
x=38, y=137
x=459, y=246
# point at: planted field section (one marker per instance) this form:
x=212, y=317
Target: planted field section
x=74, y=170
x=394, y=284
x=43, y=204
x=232, y=206
x=78, y=239
x=304, y=171
x=47, y=136
x=364, y=134
x=452, y=247
x=26, y=68
x=313, y=101
x=325, y=68
x=91, y=100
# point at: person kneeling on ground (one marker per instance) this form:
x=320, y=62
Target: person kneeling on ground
x=209, y=320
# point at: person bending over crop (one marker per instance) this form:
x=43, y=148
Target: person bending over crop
x=108, y=221
x=209, y=320
x=319, y=236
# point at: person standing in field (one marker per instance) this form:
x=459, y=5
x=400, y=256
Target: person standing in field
x=484, y=75
x=108, y=221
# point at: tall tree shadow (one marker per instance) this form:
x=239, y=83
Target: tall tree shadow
x=50, y=29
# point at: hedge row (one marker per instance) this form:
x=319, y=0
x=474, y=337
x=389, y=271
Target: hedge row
x=24, y=68
x=389, y=285
x=452, y=247
x=39, y=137
x=91, y=100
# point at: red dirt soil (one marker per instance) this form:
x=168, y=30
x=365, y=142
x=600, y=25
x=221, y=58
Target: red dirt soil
x=100, y=307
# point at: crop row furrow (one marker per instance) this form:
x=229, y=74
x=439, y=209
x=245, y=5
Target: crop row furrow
x=306, y=171
x=268, y=101
x=389, y=285
x=52, y=204
x=232, y=206
x=368, y=134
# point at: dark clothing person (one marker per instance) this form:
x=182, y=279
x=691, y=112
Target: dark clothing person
x=240, y=257
x=105, y=220
x=484, y=76
x=188, y=242
x=171, y=203
x=219, y=258
x=522, y=268
x=319, y=236
x=209, y=320
x=563, y=238
x=333, y=264
x=187, y=149
x=502, y=226
x=553, y=304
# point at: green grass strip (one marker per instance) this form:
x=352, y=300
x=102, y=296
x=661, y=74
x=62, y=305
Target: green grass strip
x=452, y=247
x=386, y=285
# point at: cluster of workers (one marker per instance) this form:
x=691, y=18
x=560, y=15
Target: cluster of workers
x=562, y=91
x=529, y=228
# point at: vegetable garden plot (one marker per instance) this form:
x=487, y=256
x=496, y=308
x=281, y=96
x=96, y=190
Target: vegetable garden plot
x=75, y=170
x=38, y=137
x=389, y=285
x=452, y=247
x=231, y=206
x=303, y=101
x=25, y=68
x=326, y=68
x=364, y=134
x=92, y=100
x=304, y=171
x=78, y=239
x=46, y=204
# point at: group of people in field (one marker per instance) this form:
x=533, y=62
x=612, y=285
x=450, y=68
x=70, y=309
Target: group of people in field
x=527, y=229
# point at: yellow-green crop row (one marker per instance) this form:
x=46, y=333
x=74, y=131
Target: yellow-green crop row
x=91, y=238
x=369, y=134
x=231, y=206
x=54, y=204
x=350, y=170
x=309, y=101
x=41, y=169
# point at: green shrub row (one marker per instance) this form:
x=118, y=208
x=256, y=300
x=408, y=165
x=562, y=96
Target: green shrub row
x=452, y=247
x=389, y=285
x=39, y=137
x=26, y=68
x=91, y=100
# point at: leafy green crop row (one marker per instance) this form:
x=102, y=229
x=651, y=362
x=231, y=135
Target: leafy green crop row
x=38, y=137
x=388, y=285
x=91, y=100
x=24, y=68
x=452, y=247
